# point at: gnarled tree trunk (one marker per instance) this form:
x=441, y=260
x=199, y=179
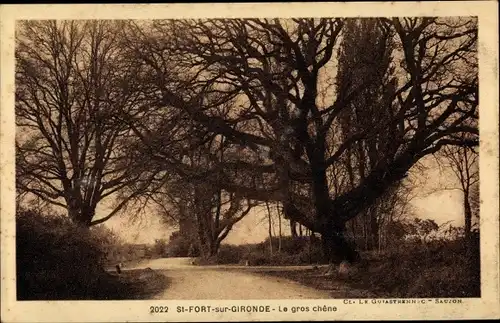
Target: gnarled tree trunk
x=336, y=247
x=468, y=215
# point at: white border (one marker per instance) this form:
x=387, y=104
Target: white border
x=135, y=311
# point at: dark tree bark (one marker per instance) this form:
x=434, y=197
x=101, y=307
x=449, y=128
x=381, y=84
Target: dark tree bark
x=467, y=214
x=464, y=162
x=293, y=228
x=336, y=248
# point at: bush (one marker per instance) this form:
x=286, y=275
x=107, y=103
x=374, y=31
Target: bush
x=256, y=258
x=110, y=243
x=180, y=246
x=230, y=254
x=283, y=259
x=434, y=269
x=294, y=251
x=55, y=258
x=314, y=255
x=289, y=245
x=159, y=248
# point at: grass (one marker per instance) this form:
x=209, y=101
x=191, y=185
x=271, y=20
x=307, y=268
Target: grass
x=315, y=278
x=443, y=269
x=134, y=284
x=446, y=269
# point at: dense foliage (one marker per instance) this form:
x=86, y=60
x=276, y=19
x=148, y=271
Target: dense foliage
x=57, y=260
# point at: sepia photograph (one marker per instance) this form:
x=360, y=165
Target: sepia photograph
x=248, y=159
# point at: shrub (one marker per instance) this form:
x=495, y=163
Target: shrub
x=110, y=243
x=256, y=258
x=230, y=254
x=193, y=250
x=159, y=248
x=178, y=246
x=434, y=269
x=313, y=255
x=289, y=245
x=294, y=251
x=283, y=259
x=55, y=258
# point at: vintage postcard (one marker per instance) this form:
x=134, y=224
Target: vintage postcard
x=249, y=162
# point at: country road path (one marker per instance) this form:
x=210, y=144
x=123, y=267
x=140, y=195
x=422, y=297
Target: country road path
x=186, y=281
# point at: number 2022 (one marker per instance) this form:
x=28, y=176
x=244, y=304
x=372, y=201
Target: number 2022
x=158, y=309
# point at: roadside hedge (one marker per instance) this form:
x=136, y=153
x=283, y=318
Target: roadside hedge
x=56, y=259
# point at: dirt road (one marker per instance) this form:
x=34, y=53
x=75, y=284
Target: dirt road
x=224, y=282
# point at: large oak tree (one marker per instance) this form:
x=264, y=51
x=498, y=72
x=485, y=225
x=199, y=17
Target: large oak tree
x=290, y=84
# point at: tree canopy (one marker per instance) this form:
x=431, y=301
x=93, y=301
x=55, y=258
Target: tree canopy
x=302, y=96
x=324, y=116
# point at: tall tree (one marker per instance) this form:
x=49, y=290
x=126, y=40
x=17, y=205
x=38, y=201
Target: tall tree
x=366, y=52
x=71, y=80
x=286, y=112
x=203, y=210
x=464, y=163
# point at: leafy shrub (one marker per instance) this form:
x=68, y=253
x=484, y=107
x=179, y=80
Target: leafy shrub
x=127, y=253
x=435, y=269
x=294, y=251
x=112, y=245
x=289, y=245
x=159, y=248
x=193, y=250
x=256, y=258
x=283, y=259
x=313, y=255
x=55, y=258
x=178, y=246
x=230, y=254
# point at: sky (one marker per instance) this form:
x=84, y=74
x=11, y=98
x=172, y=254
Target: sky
x=430, y=203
